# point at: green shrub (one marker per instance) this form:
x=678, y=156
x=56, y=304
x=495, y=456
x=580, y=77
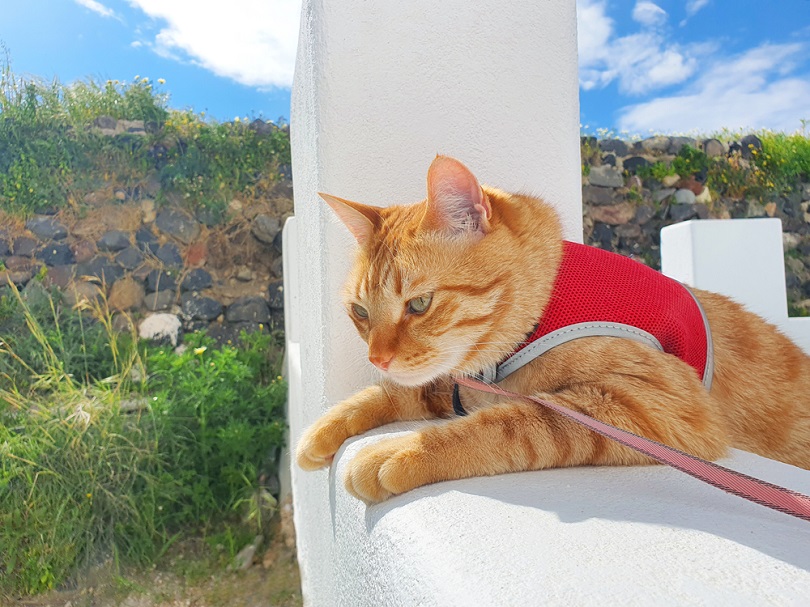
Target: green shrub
x=690, y=161
x=734, y=178
x=776, y=169
x=220, y=413
x=784, y=160
x=93, y=464
x=687, y=163
x=208, y=163
x=657, y=170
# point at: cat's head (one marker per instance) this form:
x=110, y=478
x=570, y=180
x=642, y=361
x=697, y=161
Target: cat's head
x=437, y=287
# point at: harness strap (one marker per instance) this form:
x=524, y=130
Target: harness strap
x=458, y=408
x=739, y=484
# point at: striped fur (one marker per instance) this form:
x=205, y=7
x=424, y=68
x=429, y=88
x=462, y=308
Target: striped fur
x=489, y=260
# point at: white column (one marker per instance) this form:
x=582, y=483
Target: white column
x=740, y=258
x=380, y=88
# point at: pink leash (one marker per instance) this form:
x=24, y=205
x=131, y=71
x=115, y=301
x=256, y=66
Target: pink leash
x=753, y=489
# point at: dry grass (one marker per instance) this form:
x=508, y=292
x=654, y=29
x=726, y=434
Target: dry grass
x=185, y=578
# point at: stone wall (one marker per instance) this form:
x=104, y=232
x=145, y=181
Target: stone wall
x=168, y=269
x=624, y=208
x=158, y=264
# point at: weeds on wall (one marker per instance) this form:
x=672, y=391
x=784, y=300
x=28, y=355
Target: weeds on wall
x=112, y=449
x=208, y=163
x=52, y=153
x=784, y=159
x=778, y=168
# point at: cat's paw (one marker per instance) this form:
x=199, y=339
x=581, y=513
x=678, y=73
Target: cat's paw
x=319, y=443
x=386, y=468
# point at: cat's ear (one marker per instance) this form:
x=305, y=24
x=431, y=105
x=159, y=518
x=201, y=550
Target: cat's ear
x=361, y=219
x=456, y=204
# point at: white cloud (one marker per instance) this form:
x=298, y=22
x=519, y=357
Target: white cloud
x=649, y=14
x=693, y=6
x=639, y=62
x=253, y=42
x=96, y=7
x=734, y=93
x=594, y=29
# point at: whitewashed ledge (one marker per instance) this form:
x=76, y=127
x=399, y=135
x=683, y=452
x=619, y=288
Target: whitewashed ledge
x=585, y=536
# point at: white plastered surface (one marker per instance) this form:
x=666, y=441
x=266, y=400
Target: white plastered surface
x=585, y=536
x=741, y=258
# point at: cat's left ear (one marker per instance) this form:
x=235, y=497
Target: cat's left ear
x=456, y=204
x=361, y=219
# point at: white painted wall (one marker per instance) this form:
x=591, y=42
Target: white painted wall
x=380, y=88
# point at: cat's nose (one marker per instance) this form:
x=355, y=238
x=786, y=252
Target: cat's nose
x=381, y=361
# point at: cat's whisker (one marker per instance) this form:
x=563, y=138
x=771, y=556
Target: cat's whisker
x=506, y=344
x=502, y=350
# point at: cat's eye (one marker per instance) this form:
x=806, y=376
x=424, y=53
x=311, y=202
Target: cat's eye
x=359, y=311
x=419, y=305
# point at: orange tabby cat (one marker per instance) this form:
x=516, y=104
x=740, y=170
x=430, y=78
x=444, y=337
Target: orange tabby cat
x=451, y=285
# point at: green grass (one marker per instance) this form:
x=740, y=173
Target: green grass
x=51, y=157
x=78, y=346
x=84, y=478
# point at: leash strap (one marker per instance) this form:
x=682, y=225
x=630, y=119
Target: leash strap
x=753, y=489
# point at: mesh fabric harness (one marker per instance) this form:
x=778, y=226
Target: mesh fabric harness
x=596, y=286
x=601, y=293
x=598, y=293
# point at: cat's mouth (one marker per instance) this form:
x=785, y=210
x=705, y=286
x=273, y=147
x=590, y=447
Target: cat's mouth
x=410, y=379
x=421, y=376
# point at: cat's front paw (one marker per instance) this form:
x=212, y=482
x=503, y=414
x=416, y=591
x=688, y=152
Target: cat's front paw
x=389, y=467
x=319, y=443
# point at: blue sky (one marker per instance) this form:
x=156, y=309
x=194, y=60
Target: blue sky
x=645, y=65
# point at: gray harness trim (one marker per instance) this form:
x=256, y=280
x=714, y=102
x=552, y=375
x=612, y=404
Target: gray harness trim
x=496, y=373
x=708, y=370
x=556, y=338
x=570, y=333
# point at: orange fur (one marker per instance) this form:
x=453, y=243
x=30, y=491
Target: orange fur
x=477, y=251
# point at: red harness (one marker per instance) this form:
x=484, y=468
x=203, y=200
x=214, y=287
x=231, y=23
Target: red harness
x=598, y=293
x=601, y=293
